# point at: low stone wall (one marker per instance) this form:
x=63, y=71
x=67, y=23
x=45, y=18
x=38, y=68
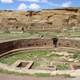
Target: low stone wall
x=28, y=43
x=69, y=43
x=24, y=43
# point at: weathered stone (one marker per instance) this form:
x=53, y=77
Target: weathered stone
x=42, y=20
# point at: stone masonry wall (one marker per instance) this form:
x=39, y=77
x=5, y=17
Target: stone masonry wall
x=28, y=43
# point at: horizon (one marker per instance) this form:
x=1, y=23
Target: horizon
x=42, y=9
x=37, y=5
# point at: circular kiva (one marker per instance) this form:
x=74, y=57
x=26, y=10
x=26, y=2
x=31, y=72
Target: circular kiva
x=21, y=44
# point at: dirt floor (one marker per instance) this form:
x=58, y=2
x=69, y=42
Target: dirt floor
x=13, y=77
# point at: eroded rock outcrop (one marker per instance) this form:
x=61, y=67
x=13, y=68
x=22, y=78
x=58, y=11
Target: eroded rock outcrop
x=55, y=19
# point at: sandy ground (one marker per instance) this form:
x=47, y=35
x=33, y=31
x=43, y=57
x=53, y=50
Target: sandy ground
x=14, y=77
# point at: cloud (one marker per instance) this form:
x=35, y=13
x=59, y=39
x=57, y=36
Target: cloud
x=6, y=1
x=36, y=1
x=66, y=4
x=30, y=0
x=44, y=1
x=34, y=6
x=22, y=7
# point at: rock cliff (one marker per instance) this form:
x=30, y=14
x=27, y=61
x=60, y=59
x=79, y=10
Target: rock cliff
x=47, y=20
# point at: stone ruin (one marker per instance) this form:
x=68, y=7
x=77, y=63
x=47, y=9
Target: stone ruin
x=75, y=66
x=8, y=46
x=23, y=64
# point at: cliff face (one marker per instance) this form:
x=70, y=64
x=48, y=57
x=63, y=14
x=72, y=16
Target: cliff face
x=48, y=20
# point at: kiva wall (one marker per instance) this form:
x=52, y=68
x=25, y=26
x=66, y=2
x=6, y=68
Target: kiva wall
x=28, y=43
x=24, y=43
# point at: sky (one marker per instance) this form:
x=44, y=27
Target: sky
x=37, y=4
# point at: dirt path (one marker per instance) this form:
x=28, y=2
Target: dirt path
x=13, y=77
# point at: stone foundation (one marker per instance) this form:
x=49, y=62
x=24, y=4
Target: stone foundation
x=36, y=43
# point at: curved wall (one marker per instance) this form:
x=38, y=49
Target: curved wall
x=28, y=43
x=24, y=43
x=69, y=43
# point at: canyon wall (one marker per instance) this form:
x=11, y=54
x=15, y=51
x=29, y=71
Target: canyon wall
x=47, y=20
